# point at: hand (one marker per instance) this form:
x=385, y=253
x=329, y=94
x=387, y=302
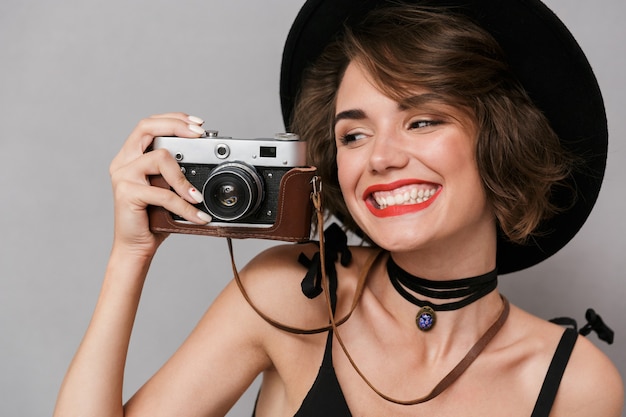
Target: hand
x=132, y=190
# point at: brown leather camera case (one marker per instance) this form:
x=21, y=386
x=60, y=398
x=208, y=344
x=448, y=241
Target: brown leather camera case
x=293, y=218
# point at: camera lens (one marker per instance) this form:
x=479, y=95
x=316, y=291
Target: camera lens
x=233, y=190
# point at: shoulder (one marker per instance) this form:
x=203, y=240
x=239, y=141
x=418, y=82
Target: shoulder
x=278, y=261
x=272, y=282
x=266, y=287
x=591, y=385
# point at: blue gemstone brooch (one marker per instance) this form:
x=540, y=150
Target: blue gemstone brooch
x=425, y=318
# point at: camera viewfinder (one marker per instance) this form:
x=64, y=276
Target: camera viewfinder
x=268, y=152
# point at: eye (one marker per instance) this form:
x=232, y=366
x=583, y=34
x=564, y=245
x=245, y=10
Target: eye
x=423, y=123
x=351, y=138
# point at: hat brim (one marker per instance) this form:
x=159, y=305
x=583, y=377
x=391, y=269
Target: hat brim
x=547, y=61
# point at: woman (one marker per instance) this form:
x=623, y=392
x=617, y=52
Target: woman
x=431, y=149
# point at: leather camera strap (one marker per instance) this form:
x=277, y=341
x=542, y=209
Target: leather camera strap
x=448, y=380
x=296, y=330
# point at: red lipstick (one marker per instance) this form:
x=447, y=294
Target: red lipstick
x=399, y=209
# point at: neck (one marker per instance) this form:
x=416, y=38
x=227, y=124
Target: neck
x=453, y=294
x=444, y=268
x=473, y=253
x=457, y=328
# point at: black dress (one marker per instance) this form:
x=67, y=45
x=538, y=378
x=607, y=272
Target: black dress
x=325, y=398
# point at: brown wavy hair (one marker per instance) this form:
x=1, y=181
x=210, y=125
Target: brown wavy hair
x=519, y=156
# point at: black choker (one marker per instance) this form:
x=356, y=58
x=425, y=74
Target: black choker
x=467, y=289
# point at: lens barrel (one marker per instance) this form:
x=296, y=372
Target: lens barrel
x=232, y=191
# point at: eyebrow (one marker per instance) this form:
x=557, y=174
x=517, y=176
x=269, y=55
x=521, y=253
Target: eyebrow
x=354, y=114
x=415, y=101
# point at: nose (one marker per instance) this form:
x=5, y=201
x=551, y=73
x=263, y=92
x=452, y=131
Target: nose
x=387, y=153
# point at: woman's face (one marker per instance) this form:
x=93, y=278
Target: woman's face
x=408, y=171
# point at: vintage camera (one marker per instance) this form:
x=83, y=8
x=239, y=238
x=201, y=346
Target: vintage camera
x=251, y=187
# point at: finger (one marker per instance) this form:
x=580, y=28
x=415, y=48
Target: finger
x=146, y=130
x=162, y=163
x=141, y=196
x=158, y=162
x=181, y=116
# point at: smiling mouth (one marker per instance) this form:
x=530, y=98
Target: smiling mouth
x=403, y=196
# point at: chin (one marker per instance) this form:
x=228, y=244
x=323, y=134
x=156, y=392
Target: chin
x=394, y=241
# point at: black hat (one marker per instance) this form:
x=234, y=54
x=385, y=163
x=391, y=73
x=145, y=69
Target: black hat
x=543, y=55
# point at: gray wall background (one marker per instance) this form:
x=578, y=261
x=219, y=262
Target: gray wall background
x=75, y=78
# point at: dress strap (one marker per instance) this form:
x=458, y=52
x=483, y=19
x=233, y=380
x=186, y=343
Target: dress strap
x=551, y=383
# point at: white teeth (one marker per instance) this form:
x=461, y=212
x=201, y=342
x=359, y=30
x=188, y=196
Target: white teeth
x=404, y=195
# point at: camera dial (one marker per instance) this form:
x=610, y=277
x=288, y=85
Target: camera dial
x=286, y=136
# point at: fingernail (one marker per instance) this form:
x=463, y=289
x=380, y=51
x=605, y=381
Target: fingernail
x=196, y=195
x=196, y=129
x=196, y=120
x=204, y=217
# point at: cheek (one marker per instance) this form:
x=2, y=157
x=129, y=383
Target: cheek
x=456, y=155
x=347, y=172
x=469, y=181
x=342, y=165
x=456, y=161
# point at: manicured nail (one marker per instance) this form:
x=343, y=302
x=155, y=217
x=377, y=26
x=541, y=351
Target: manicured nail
x=196, y=120
x=196, y=129
x=204, y=217
x=196, y=195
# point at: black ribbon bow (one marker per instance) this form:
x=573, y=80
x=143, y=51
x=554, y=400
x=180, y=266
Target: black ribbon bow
x=336, y=248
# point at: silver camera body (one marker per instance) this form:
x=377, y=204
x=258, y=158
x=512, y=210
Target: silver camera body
x=239, y=178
